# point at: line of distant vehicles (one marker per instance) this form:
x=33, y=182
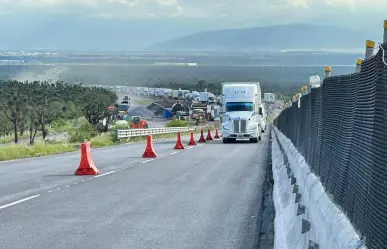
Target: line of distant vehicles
x=203, y=97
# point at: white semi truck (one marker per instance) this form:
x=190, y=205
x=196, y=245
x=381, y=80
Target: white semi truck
x=241, y=111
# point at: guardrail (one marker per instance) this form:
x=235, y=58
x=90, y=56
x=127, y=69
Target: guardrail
x=121, y=134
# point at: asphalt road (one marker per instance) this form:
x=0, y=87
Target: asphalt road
x=207, y=196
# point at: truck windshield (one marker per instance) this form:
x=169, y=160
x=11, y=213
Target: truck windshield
x=123, y=107
x=239, y=106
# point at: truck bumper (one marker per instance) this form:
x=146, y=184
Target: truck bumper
x=248, y=135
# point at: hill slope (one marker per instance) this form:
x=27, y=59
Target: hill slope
x=295, y=36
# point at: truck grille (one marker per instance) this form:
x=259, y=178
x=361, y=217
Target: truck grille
x=236, y=125
x=243, y=125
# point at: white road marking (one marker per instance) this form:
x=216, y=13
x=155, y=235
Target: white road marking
x=67, y=186
x=146, y=161
x=172, y=153
x=19, y=201
x=107, y=173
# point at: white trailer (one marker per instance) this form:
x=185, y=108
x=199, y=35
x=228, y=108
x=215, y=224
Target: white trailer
x=203, y=97
x=175, y=94
x=166, y=93
x=241, y=111
x=146, y=91
x=157, y=92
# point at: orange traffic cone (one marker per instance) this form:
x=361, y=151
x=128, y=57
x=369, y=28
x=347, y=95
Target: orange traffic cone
x=179, y=145
x=149, y=151
x=192, y=139
x=202, y=139
x=209, y=137
x=86, y=166
x=216, y=134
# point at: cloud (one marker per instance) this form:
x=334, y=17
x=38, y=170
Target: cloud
x=102, y=8
x=230, y=12
x=55, y=23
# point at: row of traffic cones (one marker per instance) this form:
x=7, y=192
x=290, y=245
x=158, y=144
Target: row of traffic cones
x=209, y=137
x=87, y=166
x=150, y=152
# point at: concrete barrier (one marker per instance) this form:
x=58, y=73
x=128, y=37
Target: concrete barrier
x=306, y=218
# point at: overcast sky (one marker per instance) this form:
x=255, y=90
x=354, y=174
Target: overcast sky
x=173, y=18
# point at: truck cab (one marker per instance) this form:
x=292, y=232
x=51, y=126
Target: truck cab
x=241, y=111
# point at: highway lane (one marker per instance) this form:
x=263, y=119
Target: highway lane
x=204, y=197
x=24, y=177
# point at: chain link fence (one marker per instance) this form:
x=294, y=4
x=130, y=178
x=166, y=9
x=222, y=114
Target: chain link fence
x=341, y=129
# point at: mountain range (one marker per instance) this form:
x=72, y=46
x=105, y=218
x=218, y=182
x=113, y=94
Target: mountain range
x=74, y=33
x=282, y=37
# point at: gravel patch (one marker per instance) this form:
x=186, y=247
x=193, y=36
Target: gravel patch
x=265, y=232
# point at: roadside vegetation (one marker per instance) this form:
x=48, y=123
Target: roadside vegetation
x=19, y=151
x=28, y=109
x=177, y=123
x=31, y=111
x=78, y=135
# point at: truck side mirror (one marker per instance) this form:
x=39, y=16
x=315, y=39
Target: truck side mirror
x=260, y=111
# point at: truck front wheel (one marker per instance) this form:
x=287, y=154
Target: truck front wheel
x=254, y=140
x=225, y=140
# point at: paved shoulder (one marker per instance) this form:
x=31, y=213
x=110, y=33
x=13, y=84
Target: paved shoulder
x=204, y=197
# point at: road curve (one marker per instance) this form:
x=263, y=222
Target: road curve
x=204, y=197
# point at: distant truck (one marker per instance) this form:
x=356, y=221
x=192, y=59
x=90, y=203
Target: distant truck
x=206, y=97
x=165, y=93
x=152, y=92
x=269, y=97
x=195, y=95
x=174, y=94
x=241, y=111
x=126, y=101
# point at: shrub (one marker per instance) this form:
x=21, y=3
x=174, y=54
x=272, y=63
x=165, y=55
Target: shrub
x=177, y=123
x=85, y=131
x=113, y=131
x=60, y=125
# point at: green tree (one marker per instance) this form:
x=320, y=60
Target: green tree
x=95, y=108
x=13, y=104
